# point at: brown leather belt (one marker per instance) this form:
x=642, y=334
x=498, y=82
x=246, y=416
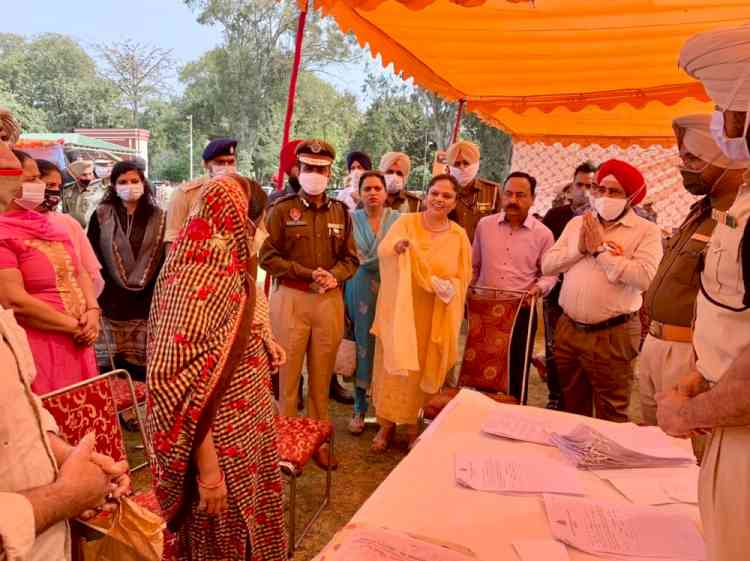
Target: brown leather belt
x=667, y=332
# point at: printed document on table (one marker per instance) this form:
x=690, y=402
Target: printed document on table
x=484, y=472
x=380, y=544
x=609, y=529
x=517, y=424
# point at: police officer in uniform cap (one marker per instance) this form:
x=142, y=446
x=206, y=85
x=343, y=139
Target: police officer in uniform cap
x=309, y=252
x=667, y=352
x=715, y=396
x=478, y=197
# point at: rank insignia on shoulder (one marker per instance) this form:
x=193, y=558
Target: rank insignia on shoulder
x=724, y=218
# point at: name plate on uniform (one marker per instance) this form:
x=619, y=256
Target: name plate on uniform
x=335, y=229
x=724, y=218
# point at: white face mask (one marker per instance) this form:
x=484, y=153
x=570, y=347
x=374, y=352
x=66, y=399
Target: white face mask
x=218, y=171
x=313, y=183
x=466, y=175
x=393, y=183
x=733, y=148
x=354, y=176
x=609, y=208
x=129, y=192
x=32, y=195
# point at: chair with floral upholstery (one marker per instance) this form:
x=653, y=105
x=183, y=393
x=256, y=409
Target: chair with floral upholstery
x=299, y=438
x=486, y=362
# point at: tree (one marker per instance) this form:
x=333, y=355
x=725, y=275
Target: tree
x=55, y=76
x=139, y=71
x=28, y=118
x=236, y=88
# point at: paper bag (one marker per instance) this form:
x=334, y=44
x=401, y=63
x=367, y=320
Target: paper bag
x=133, y=533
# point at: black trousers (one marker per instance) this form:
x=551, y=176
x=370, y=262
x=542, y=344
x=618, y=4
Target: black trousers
x=518, y=348
x=552, y=313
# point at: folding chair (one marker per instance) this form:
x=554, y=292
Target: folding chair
x=72, y=407
x=90, y=406
x=493, y=315
x=298, y=439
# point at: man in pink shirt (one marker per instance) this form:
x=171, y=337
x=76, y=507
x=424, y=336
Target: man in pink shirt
x=507, y=255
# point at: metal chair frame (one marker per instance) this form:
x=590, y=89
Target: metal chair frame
x=292, y=474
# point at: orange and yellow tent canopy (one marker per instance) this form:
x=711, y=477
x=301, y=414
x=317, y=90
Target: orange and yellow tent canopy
x=569, y=71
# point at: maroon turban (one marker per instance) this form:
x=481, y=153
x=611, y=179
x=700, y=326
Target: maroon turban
x=289, y=155
x=629, y=177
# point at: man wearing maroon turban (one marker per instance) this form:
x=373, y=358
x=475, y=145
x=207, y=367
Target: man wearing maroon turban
x=609, y=257
x=290, y=168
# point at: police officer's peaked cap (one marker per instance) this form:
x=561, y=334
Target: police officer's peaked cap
x=220, y=147
x=316, y=152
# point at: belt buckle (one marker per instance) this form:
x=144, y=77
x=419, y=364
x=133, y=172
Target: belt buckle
x=656, y=329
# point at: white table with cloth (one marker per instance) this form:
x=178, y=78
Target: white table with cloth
x=421, y=495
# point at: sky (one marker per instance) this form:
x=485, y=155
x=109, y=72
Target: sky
x=172, y=25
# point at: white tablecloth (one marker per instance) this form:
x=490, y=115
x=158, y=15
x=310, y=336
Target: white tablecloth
x=421, y=495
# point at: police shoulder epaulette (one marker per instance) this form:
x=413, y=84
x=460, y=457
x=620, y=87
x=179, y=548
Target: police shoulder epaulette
x=282, y=198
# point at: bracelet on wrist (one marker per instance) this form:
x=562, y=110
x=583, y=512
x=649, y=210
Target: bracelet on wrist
x=92, y=308
x=212, y=485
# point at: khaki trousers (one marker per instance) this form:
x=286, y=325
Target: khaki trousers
x=595, y=368
x=312, y=325
x=660, y=366
x=724, y=494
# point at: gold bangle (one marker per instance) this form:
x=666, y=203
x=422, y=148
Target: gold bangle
x=212, y=486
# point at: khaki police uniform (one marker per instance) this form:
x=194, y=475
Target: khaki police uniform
x=667, y=352
x=301, y=238
x=722, y=332
x=476, y=200
x=403, y=202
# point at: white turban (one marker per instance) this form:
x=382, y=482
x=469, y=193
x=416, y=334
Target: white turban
x=721, y=60
x=79, y=167
x=399, y=158
x=693, y=134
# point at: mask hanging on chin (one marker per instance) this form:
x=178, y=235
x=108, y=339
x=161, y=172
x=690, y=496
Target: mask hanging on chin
x=313, y=183
x=32, y=195
x=394, y=183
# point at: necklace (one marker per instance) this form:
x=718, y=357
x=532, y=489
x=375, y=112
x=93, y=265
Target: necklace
x=443, y=228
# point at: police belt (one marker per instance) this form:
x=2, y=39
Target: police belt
x=606, y=324
x=667, y=332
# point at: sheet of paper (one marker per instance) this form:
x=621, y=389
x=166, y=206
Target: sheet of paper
x=642, y=491
x=484, y=472
x=604, y=528
x=388, y=545
x=541, y=550
x=683, y=489
x=518, y=427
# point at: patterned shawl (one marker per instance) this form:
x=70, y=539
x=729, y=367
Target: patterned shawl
x=199, y=325
x=129, y=270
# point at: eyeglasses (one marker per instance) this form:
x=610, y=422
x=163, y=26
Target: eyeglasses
x=613, y=192
x=582, y=185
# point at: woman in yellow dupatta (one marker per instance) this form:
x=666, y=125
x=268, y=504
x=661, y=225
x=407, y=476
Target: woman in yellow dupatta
x=425, y=267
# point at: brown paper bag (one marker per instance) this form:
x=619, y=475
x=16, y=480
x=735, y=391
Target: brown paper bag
x=133, y=533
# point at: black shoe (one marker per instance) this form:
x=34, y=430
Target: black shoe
x=340, y=393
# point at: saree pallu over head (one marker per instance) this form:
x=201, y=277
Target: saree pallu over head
x=199, y=326
x=129, y=271
x=394, y=318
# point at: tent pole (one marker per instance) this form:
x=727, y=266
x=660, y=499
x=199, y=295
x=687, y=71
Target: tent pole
x=457, y=125
x=292, y=89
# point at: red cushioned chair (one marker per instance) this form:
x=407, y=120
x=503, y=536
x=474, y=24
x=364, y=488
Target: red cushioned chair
x=486, y=362
x=298, y=439
x=90, y=406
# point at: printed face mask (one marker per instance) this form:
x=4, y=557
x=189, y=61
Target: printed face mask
x=51, y=200
x=32, y=195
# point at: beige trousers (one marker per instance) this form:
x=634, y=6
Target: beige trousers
x=660, y=365
x=724, y=494
x=311, y=325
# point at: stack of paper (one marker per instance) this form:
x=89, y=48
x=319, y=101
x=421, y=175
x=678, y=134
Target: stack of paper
x=624, y=531
x=517, y=424
x=515, y=475
x=627, y=447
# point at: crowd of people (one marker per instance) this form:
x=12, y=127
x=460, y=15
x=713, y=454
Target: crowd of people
x=172, y=296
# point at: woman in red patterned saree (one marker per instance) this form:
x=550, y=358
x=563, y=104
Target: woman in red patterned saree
x=210, y=422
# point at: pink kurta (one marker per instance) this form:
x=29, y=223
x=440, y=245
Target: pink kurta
x=49, y=269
